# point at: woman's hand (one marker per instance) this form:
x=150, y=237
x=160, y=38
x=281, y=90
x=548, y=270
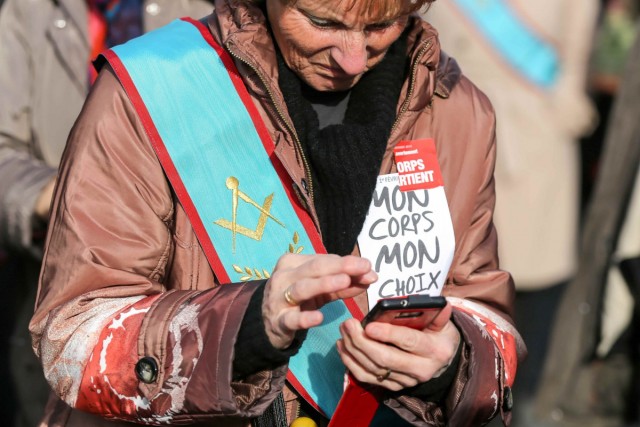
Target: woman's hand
x=397, y=357
x=301, y=284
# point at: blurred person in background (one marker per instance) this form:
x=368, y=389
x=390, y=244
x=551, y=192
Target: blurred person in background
x=614, y=37
x=530, y=58
x=592, y=371
x=6, y=395
x=46, y=49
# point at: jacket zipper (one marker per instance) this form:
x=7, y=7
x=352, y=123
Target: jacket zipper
x=414, y=71
x=307, y=169
x=299, y=407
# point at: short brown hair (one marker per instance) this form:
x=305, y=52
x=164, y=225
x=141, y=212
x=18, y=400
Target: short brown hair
x=379, y=9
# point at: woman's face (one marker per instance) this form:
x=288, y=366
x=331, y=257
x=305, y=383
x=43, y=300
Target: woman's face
x=327, y=44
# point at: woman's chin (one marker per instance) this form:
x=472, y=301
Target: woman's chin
x=331, y=83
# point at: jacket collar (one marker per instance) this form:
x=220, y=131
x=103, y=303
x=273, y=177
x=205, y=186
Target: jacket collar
x=243, y=30
x=448, y=75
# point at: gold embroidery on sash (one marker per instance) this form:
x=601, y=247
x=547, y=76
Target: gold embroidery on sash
x=233, y=184
x=252, y=273
x=293, y=247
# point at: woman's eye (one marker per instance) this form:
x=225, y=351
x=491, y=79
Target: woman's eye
x=380, y=26
x=322, y=23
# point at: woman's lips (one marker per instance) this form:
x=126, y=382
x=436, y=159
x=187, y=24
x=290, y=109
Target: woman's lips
x=335, y=73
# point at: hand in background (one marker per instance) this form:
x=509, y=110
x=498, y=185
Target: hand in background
x=43, y=203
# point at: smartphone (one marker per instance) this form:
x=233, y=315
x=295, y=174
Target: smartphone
x=413, y=311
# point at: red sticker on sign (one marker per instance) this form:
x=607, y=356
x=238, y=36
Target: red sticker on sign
x=417, y=164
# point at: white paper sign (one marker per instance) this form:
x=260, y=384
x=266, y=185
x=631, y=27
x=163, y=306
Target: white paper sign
x=408, y=237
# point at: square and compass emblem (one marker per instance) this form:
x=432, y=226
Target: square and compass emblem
x=257, y=233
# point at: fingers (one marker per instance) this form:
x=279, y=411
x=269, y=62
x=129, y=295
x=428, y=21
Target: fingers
x=441, y=319
x=301, y=284
x=308, y=288
x=438, y=346
x=377, y=375
x=367, y=369
x=293, y=320
x=281, y=324
x=372, y=354
x=303, y=278
x=412, y=356
x=316, y=266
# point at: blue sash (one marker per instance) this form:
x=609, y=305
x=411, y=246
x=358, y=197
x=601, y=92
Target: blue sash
x=220, y=161
x=532, y=57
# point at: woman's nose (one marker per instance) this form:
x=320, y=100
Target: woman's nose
x=351, y=53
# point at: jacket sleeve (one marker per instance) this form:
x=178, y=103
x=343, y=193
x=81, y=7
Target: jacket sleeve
x=23, y=176
x=481, y=294
x=114, y=337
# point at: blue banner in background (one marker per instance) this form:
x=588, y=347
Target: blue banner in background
x=533, y=57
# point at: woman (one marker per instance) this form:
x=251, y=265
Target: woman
x=131, y=322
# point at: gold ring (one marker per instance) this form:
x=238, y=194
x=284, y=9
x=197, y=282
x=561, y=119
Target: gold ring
x=384, y=376
x=289, y=298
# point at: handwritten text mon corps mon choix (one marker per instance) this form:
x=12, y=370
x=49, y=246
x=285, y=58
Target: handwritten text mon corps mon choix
x=407, y=216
